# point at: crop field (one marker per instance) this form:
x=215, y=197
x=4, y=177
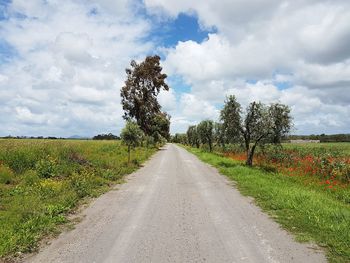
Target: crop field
x=41, y=181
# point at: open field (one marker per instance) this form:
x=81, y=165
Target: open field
x=41, y=181
x=339, y=148
x=304, y=204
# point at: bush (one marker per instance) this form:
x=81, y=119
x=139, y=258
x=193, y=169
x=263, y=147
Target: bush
x=149, y=141
x=6, y=175
x=46, y=168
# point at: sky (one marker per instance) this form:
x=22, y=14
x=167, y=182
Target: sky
x=62, y=63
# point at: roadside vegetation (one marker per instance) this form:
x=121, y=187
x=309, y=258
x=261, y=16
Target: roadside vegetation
x=326, y=165
x=302, y=204
x=42, y=181
x=305, y=187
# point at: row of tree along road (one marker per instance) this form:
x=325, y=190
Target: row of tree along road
x=258, y=125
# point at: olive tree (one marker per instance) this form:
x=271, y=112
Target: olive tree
x=230, y=116
x=259, y=125
x=206, y=133
x=179, y=138
x=131, y=135
x=219, y=134
x=193, y=136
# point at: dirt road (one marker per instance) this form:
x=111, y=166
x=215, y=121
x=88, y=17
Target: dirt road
x=176, y=209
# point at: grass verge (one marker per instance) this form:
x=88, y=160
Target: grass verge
x=42, y=181
x=307, y=212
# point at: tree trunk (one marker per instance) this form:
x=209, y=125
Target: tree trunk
x=128, y=154
x=249, y=161
x=223, y=145
x=250, y=156
x=210, y=146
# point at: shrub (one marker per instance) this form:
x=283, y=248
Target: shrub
x=46, y=168
x=30, y=178
x=6, y=175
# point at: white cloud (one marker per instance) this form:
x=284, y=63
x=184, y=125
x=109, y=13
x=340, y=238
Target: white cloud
x=70, y=58
x=167, y=100
x=196, y=109
x=69, y=65
x=25, y=115
x=311, y=114
x=297, y=52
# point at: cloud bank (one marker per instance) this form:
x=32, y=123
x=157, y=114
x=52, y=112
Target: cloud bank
x=62, y=62
x=68, y=66
x=295, y=52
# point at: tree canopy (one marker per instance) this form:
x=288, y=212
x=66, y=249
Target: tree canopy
x=260, y=124
x=230, y=116
x=206, y=132
x=139, y=96
x=193, y=136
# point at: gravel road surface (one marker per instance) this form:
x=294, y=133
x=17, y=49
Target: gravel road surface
x=176, y=209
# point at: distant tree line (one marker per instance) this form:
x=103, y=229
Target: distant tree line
x=322, y=137
x=32, y=137
x=108, y=136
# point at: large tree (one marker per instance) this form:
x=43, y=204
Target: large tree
x=139, y=95
x=206, y=132
x=260, y=124
x=230, y=116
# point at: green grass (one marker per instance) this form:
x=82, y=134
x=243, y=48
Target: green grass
x=41, y=181
x=306, y=211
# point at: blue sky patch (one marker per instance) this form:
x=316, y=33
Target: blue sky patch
x=3, y=7
x=283, y=85
x=183, y=28
x=178, y=83
x=7, y=52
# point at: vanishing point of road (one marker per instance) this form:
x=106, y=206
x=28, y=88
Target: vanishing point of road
x=176, y=209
